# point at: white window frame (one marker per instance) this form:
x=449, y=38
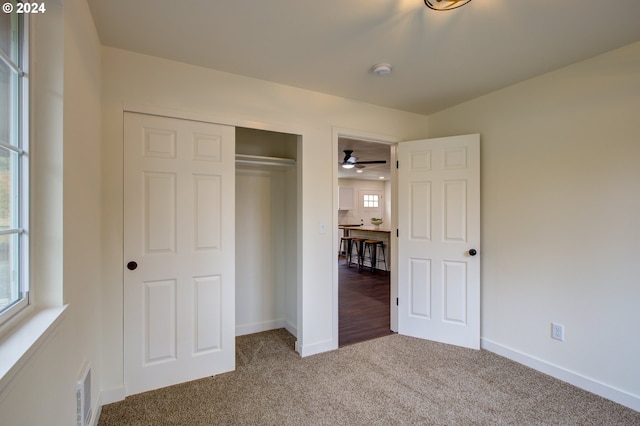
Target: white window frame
x=371, y=201
x=19, y=144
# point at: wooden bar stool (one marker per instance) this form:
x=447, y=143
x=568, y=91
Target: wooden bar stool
x=372, y=245
x=345, y=243
x=358, y=245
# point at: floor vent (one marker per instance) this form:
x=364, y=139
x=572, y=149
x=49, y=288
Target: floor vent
x=83, y=397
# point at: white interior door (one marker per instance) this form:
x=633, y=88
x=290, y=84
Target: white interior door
x=439, y=240
x=179, y=203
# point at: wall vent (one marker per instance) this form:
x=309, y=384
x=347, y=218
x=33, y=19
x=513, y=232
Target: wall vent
x=83, y=397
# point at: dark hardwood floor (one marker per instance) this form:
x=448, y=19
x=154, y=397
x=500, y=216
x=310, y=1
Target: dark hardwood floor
x=363, y=304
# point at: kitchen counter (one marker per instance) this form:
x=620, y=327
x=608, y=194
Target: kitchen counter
x=368, y=228
x=371, y=232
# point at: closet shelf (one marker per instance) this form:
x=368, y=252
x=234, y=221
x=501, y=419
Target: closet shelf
x=259, y=160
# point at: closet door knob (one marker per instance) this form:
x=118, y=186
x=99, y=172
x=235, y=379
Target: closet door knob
x=132, y=266
x=472, y=252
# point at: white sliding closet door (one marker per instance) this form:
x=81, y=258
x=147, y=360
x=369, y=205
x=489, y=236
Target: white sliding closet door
x=179, y=247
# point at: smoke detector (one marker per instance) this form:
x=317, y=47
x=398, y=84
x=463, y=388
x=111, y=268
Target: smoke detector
x=381, y=70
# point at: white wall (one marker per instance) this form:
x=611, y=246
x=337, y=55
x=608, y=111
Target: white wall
x=261, y=255
x=560, y=219
x=66, y=216
x=259, y=295
x=131, y=79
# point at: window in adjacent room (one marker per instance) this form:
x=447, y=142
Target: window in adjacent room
x=370, y=201
x=14, y=171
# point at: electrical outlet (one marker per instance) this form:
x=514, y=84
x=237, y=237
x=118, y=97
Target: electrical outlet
x=557, y=331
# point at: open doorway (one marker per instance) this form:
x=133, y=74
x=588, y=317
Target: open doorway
x=365, y=189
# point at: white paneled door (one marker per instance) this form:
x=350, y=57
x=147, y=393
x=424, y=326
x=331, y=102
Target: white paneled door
x=439, y=240
x=179, y=251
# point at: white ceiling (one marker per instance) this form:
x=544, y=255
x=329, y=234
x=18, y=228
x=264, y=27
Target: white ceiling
x=439, y=59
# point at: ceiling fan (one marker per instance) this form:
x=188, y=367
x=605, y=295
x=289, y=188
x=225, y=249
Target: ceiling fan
x=351, y=161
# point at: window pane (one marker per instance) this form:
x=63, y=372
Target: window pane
x=8, y=102
x=13, y=194
x=9, y=216
x=371, y=201
x=9, y=282
x=5, y=32
x=9, y=90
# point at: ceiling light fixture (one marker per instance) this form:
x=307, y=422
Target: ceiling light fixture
x=381, y=70
x=348, y=166
x=445, y=4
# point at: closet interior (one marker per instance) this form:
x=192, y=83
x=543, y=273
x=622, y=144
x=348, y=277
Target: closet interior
x=267, y=228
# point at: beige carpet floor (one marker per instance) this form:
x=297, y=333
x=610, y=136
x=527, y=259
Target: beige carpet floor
x=393, y=380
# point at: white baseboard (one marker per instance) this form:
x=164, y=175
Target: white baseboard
x=316, y=348
x=258, y=327
x=578, y=380
x=112, y=395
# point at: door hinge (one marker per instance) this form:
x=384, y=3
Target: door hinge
x=397, y=164
x=397, y=232
x=397, y=301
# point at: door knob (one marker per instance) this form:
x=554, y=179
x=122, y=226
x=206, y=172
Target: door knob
x=473, y=252
x=132, y=266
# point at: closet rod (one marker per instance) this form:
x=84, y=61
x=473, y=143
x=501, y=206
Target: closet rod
x=264, y=161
